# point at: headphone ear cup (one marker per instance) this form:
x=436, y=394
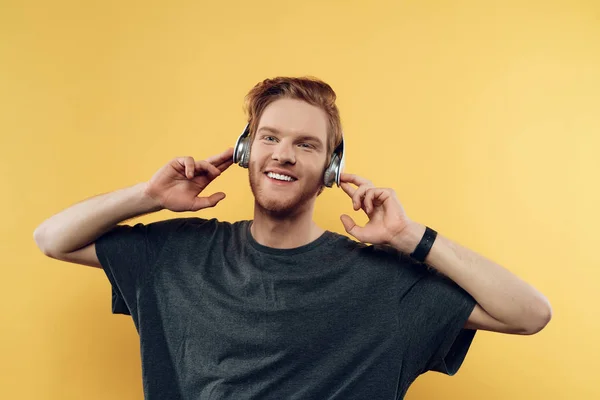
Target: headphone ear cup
x=241, y=152
x=331, y=172
x=245, y=160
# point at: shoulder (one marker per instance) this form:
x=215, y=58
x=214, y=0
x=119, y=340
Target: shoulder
x=176, y=227
x=371, y=254
x=343, y=244
x=346, y=243
x=190, y=223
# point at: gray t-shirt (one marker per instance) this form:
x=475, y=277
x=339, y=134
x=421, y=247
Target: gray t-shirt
x=222, y=317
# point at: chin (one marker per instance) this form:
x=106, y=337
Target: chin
x=278, y=210
x=283, y=204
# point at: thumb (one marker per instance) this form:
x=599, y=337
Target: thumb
x=350, y=225
x=206, y=202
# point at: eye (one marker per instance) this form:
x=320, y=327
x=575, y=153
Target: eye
x=307, y=145
x=269, y=138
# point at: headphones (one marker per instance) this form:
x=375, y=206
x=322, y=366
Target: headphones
x=241, y=156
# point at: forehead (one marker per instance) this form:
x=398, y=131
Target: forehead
x=295, y=117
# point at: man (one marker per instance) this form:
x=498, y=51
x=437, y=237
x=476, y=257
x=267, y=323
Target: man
x=277, y=307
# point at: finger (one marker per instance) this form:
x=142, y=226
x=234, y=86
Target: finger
x=188, y=165
x=368, y=200
x=221, y=158
x=206, y=202
x=204, y=167
x=350, y=226
x=357, y=197
x=224, y=165
x=357, y=180
x=347, y=188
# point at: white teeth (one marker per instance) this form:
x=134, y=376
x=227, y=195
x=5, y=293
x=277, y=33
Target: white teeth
x=280, y=177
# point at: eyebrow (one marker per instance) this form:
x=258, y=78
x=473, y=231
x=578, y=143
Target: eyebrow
x=302, y=137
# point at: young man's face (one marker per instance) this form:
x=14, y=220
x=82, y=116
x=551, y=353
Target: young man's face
x=291, y=140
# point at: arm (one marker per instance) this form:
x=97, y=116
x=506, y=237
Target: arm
x=175, y=187
x=69, y=235
x=506, y=303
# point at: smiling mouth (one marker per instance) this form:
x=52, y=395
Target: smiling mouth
x=279, y=178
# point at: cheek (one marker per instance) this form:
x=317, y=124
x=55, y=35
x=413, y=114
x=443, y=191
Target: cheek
x=323, y=165
x=256, y=157
x=317, y=171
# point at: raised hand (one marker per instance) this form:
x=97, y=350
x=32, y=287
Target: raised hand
x=176, y=185
x=387, y=218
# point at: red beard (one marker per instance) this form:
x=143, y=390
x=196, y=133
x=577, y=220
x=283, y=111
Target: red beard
x=282, y=200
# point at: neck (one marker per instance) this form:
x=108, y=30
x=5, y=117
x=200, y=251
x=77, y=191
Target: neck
x=284, y=232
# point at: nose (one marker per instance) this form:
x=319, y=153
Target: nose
x=284, y=153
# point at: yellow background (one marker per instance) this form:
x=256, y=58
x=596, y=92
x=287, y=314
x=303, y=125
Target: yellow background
x=484, y=116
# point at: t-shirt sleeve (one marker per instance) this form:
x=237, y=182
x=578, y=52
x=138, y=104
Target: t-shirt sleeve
x=127, y=254
x=437, y=310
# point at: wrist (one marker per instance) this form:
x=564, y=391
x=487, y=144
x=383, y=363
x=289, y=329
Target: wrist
x=148, y=202
x=407, y=241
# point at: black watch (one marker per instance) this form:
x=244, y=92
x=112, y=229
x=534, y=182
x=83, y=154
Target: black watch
x=424, y=245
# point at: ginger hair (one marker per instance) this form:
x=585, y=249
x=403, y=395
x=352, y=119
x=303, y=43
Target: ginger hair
x=309, y=89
